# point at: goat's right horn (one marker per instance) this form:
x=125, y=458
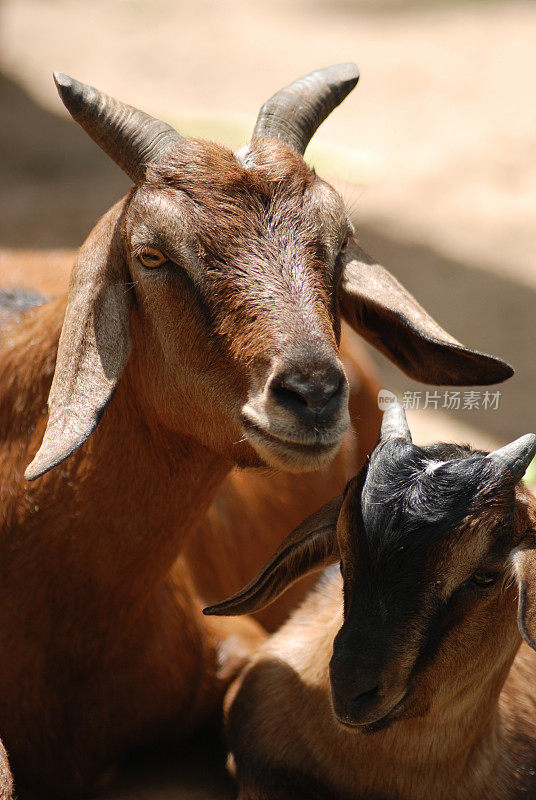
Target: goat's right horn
x=395, y=424
x=516, y=456
x=294, y=113
x=130, y=137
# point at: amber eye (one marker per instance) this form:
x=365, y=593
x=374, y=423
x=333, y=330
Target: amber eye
x=483, y=578
x=151, y=258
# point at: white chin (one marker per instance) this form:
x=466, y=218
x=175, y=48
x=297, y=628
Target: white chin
x=292, y=457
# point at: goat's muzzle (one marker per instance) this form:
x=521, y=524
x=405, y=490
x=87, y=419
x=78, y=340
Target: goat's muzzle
x=371, y=711
x=363, y=696
x=298, y=419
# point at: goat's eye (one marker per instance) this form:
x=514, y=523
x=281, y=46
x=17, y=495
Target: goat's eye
x=345, y=243
x=151, y=258
x=483, y=578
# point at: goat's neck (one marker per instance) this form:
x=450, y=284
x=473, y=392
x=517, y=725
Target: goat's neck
x=456, y=751
x=116, y=512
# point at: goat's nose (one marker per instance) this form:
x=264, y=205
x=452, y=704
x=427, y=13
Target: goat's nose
x=317, y=389
x=351, y=690
x=351, y=682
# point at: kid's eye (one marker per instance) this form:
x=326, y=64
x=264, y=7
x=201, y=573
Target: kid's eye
x=345, y=243
x=482, y=578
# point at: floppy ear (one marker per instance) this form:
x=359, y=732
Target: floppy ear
x=525, y=568
x=378, y=307
x=311, y=545
x=94, y=345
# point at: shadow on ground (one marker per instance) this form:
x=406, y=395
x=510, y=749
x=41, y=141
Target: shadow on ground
x=54, y=181
x=483, y=310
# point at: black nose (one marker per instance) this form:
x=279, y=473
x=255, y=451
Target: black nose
x=314, y=389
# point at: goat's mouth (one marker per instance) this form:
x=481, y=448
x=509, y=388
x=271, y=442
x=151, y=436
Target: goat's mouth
x=372, y=716
x=292, y=454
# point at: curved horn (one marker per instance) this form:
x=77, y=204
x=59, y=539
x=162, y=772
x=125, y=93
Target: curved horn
x=394, y=424
x=516, y=456
x=294, y=113
x=130, y=137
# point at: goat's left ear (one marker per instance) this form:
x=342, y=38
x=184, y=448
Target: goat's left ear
x=525, y=569
x=378, y=307
x=94, y=345
x=311, y=545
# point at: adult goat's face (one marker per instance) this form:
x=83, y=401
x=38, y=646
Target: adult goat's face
x=229, y=274
x=436, y=546
x=240, y=266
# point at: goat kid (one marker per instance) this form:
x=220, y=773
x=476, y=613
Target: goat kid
x=401, y=675
x=200, y=332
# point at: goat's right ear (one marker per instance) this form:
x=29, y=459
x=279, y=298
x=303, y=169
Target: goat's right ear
x=525, y=570
x=94, y=345
x=378, y=307
x=310, y=546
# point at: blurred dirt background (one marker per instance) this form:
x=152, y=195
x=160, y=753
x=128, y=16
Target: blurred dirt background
x=435, y=152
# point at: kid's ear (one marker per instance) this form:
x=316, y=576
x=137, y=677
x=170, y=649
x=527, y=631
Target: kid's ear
x=312, y=545
x=94, y=345
x=384, y=313
x=525, y=568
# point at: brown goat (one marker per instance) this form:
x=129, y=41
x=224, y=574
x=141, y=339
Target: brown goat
x=401, y=675
x=220, y=554
x=200, y=332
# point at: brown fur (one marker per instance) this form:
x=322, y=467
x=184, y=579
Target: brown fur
x=93, y=598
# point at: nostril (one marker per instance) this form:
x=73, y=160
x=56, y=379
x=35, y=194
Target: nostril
x=284, y=393
x=369, y=693
x=352, y=683
x=301, y=391
x=348, y=693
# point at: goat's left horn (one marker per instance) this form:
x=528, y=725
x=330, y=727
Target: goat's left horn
x=516, y=456
x=132, y=138
x=395, y=424
x=294, y=113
